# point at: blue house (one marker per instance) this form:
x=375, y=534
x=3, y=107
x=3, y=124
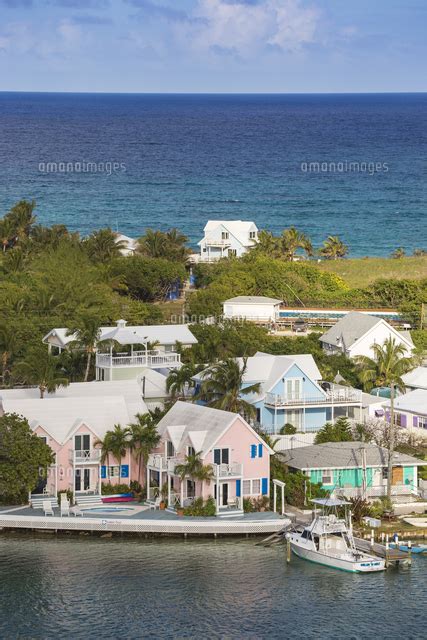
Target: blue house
x=292, y=392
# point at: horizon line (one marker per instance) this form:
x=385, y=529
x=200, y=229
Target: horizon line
x=217, y=93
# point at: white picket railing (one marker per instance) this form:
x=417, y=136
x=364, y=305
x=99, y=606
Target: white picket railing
x=138, y=359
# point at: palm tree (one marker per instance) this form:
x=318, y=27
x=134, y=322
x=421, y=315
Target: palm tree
x=106, y=448
x=118, y=443
x=22, y=217
x=8, y=345
x=176, y=245
x=7, y=231
x=103, y=246
x=153, y=244
x=144, y=437
x=268, y=244
x=180, y=380
x=194, y=468
x=292, y=240
x=386, y=368
x=87, y=333
x=42, y=369
x=333, y=248
x=222, y=387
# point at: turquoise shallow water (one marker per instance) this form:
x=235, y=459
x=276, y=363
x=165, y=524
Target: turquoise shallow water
x=82, y=587
x=185, y=158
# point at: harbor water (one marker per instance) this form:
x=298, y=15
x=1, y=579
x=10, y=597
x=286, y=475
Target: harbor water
x=87, y=587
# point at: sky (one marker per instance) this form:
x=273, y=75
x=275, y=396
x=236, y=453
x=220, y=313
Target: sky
x=213, y=46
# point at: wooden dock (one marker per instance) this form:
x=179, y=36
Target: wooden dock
x=391, y=556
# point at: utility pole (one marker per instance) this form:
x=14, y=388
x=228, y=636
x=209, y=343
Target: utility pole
x=390, y=442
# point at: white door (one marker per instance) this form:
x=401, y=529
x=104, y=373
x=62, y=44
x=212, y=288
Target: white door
x=82, y=479
x=293, y=388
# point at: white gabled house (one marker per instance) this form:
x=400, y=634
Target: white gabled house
x=416, y=379
x=227, y=238
x=356, y=332
x=124, y=351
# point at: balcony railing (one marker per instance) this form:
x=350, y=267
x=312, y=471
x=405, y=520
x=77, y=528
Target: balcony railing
x=89, y=456
x=227, y=470
x=214, y=242
x=138, y=359
x=162, y=463
x=341, y=395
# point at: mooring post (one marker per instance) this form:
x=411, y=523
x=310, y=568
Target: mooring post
x=409, y=553
x=288, y=551
x=387, y=547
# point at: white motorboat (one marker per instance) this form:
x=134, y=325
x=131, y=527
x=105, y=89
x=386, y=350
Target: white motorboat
x=329, y=540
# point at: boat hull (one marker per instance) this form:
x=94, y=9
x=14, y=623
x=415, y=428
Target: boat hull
x=366, y=565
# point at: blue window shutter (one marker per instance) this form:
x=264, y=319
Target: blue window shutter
x=125, y=471
x=253, y=450
x=238, y=488
x=415, y=421
x=260, y=451
x=103, y=472
x=403, y=419
x=264, y=486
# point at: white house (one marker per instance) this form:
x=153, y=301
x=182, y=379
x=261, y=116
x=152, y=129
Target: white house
x=226, y=238
x=355, y=334
x=129, y=245
x=410, y=410
x=256, y=308
x=416, y=379
x=153, y=346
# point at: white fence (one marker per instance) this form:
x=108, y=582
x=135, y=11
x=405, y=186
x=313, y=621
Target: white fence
x=294, y=441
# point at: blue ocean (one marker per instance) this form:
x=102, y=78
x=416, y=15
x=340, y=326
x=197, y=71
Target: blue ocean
x=347, y=165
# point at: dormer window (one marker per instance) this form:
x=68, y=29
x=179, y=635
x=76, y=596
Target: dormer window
x=191, y=451
x=170, y=449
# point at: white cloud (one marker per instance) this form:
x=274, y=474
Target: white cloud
x=248, y=28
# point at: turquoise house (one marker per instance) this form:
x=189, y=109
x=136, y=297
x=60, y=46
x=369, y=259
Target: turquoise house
x=355, y=469
x=292, y=392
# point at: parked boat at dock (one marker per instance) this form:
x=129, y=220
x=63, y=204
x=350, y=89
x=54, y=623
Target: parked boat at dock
x=328, y=540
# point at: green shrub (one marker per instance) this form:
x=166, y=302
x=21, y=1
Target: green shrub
x=200, y=508
x=248, y=505
x=288, y=429
x=108, y=489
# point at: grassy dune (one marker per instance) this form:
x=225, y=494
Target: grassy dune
x=361, y=272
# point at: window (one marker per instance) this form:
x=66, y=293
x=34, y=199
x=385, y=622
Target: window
x=43, y=438
x=232, y=252
x=82, y=442
x=114, y=472
x=251, y=487
x=170, y=449
x=221, y=456
x=191, y=451
x=422, y=422
x=398, y=419
x=224, y=235
x=385, y=473
x=252, y=235
x=327, y=476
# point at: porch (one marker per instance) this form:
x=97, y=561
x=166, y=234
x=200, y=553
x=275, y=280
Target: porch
x=152, y=359
x=336, y=395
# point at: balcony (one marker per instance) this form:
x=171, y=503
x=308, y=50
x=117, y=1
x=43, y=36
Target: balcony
x=214, y=242
x=378, y=491
x=337, y=395
x=161, y=463
x=233, y=470
x=154, y=360
x=86, y=456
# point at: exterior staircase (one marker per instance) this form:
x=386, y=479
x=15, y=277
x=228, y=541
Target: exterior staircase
x=36, y=501
x=85, y=500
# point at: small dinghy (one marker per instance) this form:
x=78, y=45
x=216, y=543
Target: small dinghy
x=119, y=497
x=416, y=548
x=329, y=541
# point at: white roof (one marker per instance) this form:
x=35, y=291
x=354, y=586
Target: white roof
x=414, y=402
x=354, y=325
x=163, y=334
x=268, y=369
x=416, y=378
x=238, y=228
x=203, y=426
x=98, y=405
x=252, y=300
x=153, y=383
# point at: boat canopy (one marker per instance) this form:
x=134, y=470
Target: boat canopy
x=330, y=502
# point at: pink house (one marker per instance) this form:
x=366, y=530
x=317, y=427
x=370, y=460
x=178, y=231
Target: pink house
x=239, y=457
x=71, y=420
